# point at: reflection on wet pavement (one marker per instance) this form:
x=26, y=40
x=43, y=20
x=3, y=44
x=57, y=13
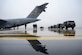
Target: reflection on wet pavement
x=52, y=34
x=64, y=32
x=52, y=42
x=38, y=46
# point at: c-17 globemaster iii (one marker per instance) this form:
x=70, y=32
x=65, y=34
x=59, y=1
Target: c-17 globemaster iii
x=32, y=17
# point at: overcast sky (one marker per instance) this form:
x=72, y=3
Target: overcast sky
x=57, y=11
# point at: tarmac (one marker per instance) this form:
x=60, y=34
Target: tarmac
x=41, y=42
x=41, y=34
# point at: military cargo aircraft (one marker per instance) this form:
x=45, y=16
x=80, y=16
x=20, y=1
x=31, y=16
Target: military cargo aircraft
x=32, y=17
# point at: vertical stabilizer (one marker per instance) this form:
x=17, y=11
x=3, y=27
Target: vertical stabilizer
x=37, y=11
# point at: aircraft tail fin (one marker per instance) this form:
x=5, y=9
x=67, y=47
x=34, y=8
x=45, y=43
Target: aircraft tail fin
x=37, y=10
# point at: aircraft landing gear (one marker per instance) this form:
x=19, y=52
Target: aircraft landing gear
x=25, y=26
x=14, y=28
x=17, y=27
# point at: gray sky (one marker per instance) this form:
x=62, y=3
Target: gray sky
x=57, y=11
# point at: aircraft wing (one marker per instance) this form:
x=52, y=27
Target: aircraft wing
x=2, y=21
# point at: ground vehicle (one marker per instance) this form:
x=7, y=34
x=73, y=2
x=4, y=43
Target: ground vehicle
x=69, y=24
x=60, y=26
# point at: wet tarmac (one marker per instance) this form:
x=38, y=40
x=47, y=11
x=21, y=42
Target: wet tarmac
x=44, y=42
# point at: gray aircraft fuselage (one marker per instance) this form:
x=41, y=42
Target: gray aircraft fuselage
x=32, y=17
x=17, y=22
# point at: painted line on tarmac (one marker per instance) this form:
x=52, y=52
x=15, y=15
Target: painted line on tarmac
x=41, y=38
x=27, y=35
x=17, y=35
